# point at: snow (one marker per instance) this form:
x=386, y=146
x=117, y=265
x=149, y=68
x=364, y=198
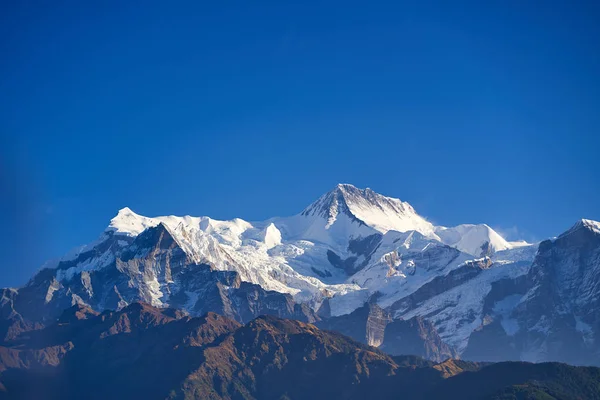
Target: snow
x=155, y=293
x=585, y=329
x=129, y=223
x=192, y=300
x=378, y=212
x=470, y=238
x=589, y=224
x=290, y=255
x=87, y=264
x=74, y=253
x=518, y=253
x=272, y=236
x=346, y=302
x=391, y=214
x=503, y=309
x=519, y=243
x=457, y=312
x=404, y=262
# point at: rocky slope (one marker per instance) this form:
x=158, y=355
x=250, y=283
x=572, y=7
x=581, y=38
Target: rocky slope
x=145, y=352
x=454, y=291
x=552, y=313
x=372, y=325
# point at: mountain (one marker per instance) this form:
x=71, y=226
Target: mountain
x=354, y=261
x=477, y=240
x=155, y=353
x=150, y=267
x=372, y=325
x=552, y=313
x=346, y=204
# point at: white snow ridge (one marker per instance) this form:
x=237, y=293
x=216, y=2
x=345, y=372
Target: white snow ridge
x=345, y=247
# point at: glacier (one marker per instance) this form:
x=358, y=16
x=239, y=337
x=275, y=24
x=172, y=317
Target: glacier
x=465, y=286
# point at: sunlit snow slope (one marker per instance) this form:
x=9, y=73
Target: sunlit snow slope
x=340, y=251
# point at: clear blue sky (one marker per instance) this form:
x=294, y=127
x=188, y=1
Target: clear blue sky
x=478, y=111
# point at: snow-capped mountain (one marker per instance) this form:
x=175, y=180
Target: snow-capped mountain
x=346, y=203
x=477, y=240
x=349, y=248
x=552, y=312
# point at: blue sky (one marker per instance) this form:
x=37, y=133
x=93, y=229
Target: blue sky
x=471, y=111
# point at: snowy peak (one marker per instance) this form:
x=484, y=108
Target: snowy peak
x=331, y=204
x=367, y=207
x=128, y=223
x=587, y=224
x=477, y=240
x=590, y=225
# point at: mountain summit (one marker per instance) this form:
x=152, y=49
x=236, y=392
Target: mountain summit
x=367, y=207
x=358, y=259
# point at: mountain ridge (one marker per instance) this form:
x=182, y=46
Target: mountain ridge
x=122, y=354
x=333, y=258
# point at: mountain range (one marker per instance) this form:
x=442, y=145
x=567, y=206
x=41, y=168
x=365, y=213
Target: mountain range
x=145, y=352
x=354, y=261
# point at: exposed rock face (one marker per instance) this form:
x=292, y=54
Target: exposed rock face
x=367, y=208
x=145, y=352
x=547, y=313
x=441, y=284
x=361, y=250
x=372, y=325
x=483, y=297
x=12, y=324
x=365, y=324
x=416, y=336
x=554, y=312
x=76, y=313
x=560, y=314
x=135, y=272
